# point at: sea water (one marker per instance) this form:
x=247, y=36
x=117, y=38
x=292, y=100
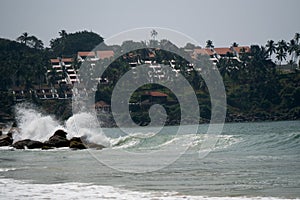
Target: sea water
x=248, y=161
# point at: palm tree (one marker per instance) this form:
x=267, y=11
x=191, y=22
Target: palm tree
x=292, y=49
x=280, y=56
x=271, y=47
x=154, y=34
x=63, y=36
x=23, y=38
x=209, y=44
x=31, y=41
x=63, y=33
x=234, y=44
x=297, y=54
x=282, y=48
x=297, y=49
x=297, y=37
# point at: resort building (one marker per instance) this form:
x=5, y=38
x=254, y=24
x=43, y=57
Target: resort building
x=153, y=97
x=86, y=55
x=215, y=54
x=63, y=73
x=105, y=54
x=63, y=69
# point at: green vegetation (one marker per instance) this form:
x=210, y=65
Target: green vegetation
x=255, y=88
x=69, y=44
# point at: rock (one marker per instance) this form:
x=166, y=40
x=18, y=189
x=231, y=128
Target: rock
x=46, y=147
x=58, y=139
x=6, y=140
x=76, y=143
x=94, y=146
x=91, y=144
x=21, y=144
x=60, y=133
x=30, y=144
x=35, y=144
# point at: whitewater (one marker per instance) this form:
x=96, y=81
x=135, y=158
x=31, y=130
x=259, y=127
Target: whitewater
x=248, y=161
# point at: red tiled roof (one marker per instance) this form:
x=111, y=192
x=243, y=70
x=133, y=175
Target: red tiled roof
x=101, y=104
x=240, y=49
x=222, y=51
x=86, y=53
x=67, y=59
x=105, y=54
x=205, y=51
x=156, y=94
x=151, y=55
x=54, y=60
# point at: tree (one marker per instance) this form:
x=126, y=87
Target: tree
x=23, y=38
x=280, y=56
x=209, y=44
x=297, y=37
x=292, y=49
x=281, y=50
x=154, y=34
x=34, y=42
x=234, y=44
x=258, y=66
x=282, y=46
x=189, y=46
x=62, y=34
x=69, y=44
x=31, y=41
x=271, y=47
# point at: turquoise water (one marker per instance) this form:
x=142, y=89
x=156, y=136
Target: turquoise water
x=249, y=160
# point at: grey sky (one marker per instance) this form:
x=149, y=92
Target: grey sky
x=245, y=22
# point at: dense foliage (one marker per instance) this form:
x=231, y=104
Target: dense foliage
x=255, y=88
x=69, y=44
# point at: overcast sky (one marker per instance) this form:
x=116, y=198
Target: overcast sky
x=245, y=22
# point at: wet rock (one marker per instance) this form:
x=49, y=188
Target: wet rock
x=6, y=140
x=60, y=133
x=92, y=145
x=45, y=147
x=76, y=143
x=30, y=144
x=58, y=139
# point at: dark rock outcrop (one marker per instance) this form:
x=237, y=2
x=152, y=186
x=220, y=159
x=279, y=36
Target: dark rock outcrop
x=58, y=139
x=76, y=143
x=30, y=144
x=6, y=140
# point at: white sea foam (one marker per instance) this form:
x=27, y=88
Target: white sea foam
x=14, y=189
x=36, y=126
x=6, y=148
x=33, y=125
x=86, y=124
x=7, y=169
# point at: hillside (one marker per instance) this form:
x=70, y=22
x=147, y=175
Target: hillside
x=256, y=90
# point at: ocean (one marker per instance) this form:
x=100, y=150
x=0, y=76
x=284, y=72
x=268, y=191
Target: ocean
x=248, y=161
